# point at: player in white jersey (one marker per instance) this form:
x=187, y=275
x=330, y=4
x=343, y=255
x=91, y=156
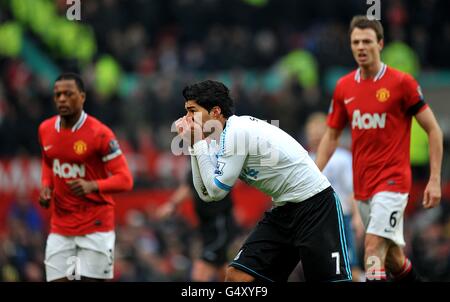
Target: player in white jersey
x=339, y=173
x=306, y=221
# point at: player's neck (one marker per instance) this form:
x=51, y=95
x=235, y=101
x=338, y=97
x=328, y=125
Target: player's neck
x=67, y=122
x=370, y=71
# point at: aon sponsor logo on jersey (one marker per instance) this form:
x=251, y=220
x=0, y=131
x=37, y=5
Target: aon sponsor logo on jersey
x=67, y=170
x=368, y=120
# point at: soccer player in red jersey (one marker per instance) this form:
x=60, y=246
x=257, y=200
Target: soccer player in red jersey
x=379, y=103
x=82, y=164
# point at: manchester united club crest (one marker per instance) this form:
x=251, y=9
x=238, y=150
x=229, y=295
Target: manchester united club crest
x=79, y=147
x=383, y=95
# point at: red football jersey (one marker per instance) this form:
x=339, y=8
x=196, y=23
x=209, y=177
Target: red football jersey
x=379, y=111
x=90, y=151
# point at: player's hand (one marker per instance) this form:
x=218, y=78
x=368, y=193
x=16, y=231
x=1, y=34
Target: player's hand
x=196, y=128
x=81, y=187
x=432, y=194
x=179, y=125
x=166, y=210
x=45, y=196
x=190, y=131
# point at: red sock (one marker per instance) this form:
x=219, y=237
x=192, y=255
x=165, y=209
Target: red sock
x=406, y=268
x=376, y=275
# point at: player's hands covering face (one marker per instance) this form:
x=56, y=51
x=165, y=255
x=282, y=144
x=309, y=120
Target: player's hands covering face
x=190, y=131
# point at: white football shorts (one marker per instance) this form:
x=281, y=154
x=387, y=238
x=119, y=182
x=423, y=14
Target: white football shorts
x=382, y=215
x=73, y=257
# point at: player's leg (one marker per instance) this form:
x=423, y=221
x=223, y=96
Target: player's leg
x=60, y=258
x=233, y=230
x=400, y=266
x=374, y=258
x=395, y=258
x=217, y=233
x=323, y=242
x=213, y=231
x=269, y=253
x=383, y=218
x=375, y=251
x=96, y=254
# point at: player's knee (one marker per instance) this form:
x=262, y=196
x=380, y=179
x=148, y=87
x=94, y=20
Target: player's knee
x=236, y=275
x=371, y=250
x=375, y=246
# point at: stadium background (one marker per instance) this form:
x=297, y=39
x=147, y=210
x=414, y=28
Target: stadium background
x=281, y=60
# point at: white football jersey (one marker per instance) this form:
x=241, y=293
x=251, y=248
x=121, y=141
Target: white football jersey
x=260, y=154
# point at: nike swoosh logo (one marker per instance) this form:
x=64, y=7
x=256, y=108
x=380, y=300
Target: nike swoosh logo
x=46, y=148
x=347, y=101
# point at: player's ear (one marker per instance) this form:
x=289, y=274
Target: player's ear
x=216, y=111
x=83, y=97
x=381, y=44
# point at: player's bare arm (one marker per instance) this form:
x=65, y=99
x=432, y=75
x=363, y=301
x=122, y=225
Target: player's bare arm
x=168, y=209
x=432, y=193
x=327, y=146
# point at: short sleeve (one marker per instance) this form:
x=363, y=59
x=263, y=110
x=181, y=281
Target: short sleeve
x=109, y=146
x=337, y=114
x=413, y=100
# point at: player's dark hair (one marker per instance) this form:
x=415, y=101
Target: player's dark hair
x=72, y=76
x=363, y=22
x=209, y=94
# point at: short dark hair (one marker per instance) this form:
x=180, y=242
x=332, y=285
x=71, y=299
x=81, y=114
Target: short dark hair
x=363, y=22
x=209, y=94
x=72, y=76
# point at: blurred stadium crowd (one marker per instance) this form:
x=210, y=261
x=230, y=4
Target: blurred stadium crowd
x=280, y=59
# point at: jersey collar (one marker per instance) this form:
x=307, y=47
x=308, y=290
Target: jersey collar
x=378, y=76
x=75, y=127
